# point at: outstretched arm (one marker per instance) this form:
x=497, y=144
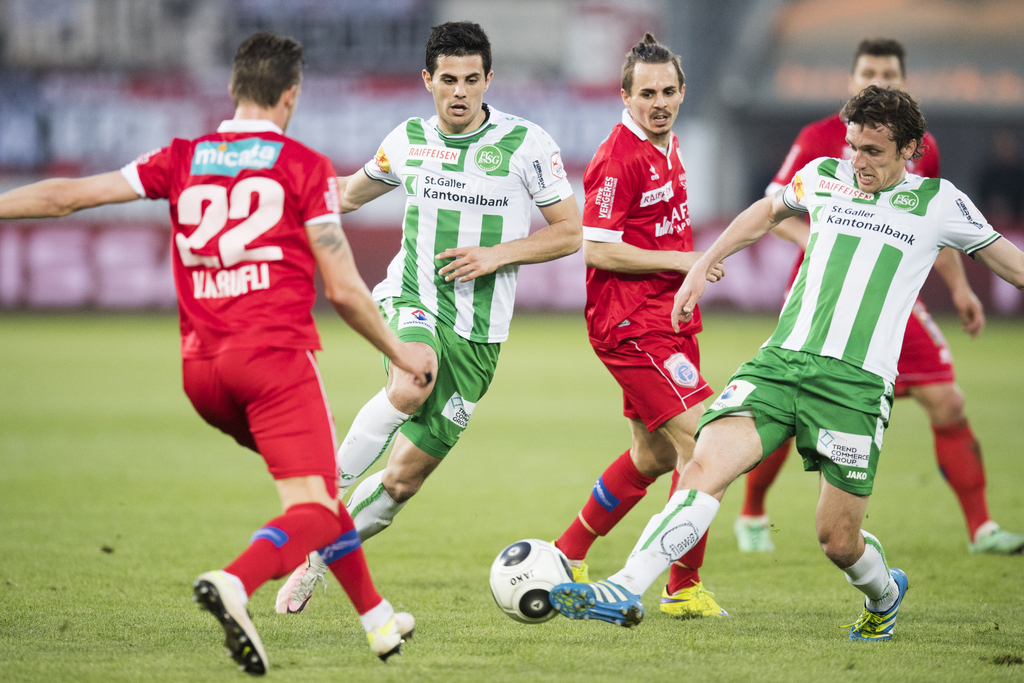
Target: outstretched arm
x=1005, y=260
x=562, y=236
x=350, y=297
x=968, y=306
x=56, y=197
x=747, y=228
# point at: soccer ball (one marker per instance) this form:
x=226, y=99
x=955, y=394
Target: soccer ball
x=523, y=574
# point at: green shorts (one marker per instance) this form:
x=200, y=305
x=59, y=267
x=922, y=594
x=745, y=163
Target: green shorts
x=464, y=373
x=838, y=412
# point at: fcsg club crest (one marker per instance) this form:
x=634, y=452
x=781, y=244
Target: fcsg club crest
x=682, y=371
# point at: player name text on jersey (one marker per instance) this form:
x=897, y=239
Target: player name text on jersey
x=226, y=283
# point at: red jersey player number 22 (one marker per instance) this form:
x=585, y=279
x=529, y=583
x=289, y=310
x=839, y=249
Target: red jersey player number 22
x=236, y=235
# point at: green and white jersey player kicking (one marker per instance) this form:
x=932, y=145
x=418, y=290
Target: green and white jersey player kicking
x=826, y=374
x=471, y=175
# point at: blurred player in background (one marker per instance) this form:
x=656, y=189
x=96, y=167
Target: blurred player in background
x=471, y=175
x=638, y=245
x=826, y=374
x=254, y=213
x=926, y=364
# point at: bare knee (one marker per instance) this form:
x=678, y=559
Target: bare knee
x=842, y=547
x=654, y=458
x=670, y=445
x=403, y=392
x=944, y=403
x=405, y=396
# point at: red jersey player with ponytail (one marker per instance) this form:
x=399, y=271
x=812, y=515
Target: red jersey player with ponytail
x=638, y=246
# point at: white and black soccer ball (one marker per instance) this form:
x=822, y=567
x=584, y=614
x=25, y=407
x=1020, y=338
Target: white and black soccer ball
x=522, y=576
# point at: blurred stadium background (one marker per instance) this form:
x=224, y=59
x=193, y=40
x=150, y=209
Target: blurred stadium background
x=87, y=85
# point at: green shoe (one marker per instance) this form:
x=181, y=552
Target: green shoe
x=753, y=534
x=998, y=542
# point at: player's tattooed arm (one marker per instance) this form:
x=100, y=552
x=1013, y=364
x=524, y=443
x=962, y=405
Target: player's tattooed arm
x=329, y=237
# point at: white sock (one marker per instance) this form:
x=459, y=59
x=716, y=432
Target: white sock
x=377, y=616
x=668, y=536
x=986, y=528
x=237, y=584
x=871, y=577
x=371, y=433
x=371, y=507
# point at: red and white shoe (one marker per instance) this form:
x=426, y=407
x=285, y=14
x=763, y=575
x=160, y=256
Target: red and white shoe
x=297, y=591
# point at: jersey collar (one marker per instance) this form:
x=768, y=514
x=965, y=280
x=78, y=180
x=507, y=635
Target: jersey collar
x=628, y=122
x=249, y=126
x=483, y=127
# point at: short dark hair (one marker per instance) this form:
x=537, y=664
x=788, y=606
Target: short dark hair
x=892, y=108
x=881, y=47
x=265, y=65
x=458, y=39
x=649, y=51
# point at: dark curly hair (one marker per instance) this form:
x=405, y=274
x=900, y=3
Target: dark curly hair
x=892, y=108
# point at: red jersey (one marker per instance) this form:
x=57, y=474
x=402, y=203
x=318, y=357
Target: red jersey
x=635, y=193
x=827, y=138
x=241, y=199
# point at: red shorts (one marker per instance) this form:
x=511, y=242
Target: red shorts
x=925, y=357
x=659, y=375
x=272, y=401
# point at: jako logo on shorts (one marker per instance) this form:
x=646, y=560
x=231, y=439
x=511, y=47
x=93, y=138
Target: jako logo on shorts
x=231, y=158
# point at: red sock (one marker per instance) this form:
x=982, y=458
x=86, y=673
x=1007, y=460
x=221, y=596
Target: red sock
x=345, y=558
x=959, y=456
x=685, y=572
x=615, y=493
x=761, y=477
x=281, y=544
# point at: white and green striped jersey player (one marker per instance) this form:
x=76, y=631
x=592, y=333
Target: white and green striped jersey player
x=867, y=258
x=472, y=189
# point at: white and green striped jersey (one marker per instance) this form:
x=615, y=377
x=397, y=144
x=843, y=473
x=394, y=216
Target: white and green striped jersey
x=474, y=189
x=866, y=260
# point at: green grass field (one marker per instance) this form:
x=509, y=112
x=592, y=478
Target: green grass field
x=114, y=495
